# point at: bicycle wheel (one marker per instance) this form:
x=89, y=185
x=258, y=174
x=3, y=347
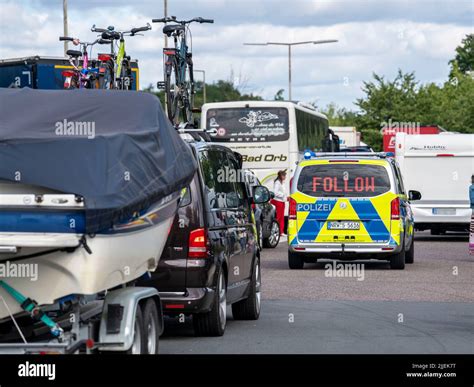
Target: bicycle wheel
x=188, y=91
x=106, y=79
x=172, y=91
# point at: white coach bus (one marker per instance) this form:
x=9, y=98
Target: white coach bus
x=270, y=135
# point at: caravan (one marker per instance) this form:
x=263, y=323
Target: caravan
x=440, y=166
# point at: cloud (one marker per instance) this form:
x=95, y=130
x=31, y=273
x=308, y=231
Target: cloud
x=372, y=36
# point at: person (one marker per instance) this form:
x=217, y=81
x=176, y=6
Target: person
x=471, y=228
x=280, y=199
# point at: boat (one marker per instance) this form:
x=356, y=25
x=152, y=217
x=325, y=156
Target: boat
x=90, y=182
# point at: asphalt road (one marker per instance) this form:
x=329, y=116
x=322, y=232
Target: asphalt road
x=426, y=308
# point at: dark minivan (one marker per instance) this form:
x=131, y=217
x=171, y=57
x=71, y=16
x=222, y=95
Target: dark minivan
x=212, y=257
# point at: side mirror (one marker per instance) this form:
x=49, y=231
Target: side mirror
x=261, y=194
x=414, y=195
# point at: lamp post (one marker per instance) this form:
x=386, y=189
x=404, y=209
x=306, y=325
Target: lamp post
x=204, y=84
x=290, y=45
x=65, y=29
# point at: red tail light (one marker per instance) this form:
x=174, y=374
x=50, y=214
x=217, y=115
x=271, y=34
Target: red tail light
x=169, y=52
x=292, y=209
x=395, y=209
x=67, y=73
x=197, y=243
x=104, y=57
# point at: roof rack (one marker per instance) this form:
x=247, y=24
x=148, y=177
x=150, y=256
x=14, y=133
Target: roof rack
x=313, y=155
x=197, y=134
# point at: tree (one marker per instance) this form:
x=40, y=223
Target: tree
x=465, y=55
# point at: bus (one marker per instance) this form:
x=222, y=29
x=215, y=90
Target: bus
x=270, y=135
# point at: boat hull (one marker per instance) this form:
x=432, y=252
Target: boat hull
x=117, y=257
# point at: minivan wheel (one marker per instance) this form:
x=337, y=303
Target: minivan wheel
x=295, y=261
x=397, y=261
x=249, y=309
x=274, y=237
x=151, y=325
x=213, y=322
x=410, y=254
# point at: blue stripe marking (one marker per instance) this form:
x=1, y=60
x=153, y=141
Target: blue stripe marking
x=373, y=224
x=315, y=220
x=43, y=222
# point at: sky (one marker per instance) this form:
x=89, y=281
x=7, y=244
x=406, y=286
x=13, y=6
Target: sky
x=373, y=36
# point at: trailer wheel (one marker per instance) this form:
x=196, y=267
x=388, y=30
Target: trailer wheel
x=139, y=343
x=150, y=323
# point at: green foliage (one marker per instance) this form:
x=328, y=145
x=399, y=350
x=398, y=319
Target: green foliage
x=464, y=58
x=219, y=91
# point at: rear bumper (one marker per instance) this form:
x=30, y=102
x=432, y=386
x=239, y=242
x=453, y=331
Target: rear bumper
x=424, y=214
x=193, y=300
x=347, y=249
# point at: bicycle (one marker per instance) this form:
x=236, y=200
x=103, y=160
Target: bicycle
x=117, y=68
x=178, y=69
x=82, y=76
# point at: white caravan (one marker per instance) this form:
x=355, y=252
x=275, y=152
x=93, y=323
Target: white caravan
x=440, y=167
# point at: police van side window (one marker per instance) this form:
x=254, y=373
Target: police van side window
x=219, y=188
x=239, y=183
x=398, y=179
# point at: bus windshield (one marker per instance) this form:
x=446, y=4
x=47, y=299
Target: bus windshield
x=253, y=124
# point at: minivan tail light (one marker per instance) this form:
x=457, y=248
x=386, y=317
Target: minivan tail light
x=292, y=209
x=395, y=210
x=197, y=244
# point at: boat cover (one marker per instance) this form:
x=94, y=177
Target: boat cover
x=116, y=149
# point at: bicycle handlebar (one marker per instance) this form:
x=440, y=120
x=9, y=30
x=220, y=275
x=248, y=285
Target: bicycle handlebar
x=133, y=31
x=61, y=38
x=201, y=20
x=94, y=29
x=173, y=19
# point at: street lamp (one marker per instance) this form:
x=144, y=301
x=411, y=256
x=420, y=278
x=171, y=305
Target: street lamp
x=289, y=45
x=203, y=84
x=65, y=30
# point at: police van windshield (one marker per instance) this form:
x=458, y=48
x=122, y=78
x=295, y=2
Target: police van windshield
x=253, y=124
x=348, y=180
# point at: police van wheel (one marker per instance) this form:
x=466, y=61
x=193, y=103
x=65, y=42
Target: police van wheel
x=295, y=261
x=397, y=261
x=410, y=254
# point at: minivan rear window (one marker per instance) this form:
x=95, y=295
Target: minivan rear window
x=348, y=180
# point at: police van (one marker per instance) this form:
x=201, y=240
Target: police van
x=350, y=206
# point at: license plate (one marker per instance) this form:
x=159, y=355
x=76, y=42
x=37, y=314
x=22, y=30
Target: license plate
x=444, y=211
x=343, y=225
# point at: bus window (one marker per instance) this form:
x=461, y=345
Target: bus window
x=312, y=131
x=248, y=124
